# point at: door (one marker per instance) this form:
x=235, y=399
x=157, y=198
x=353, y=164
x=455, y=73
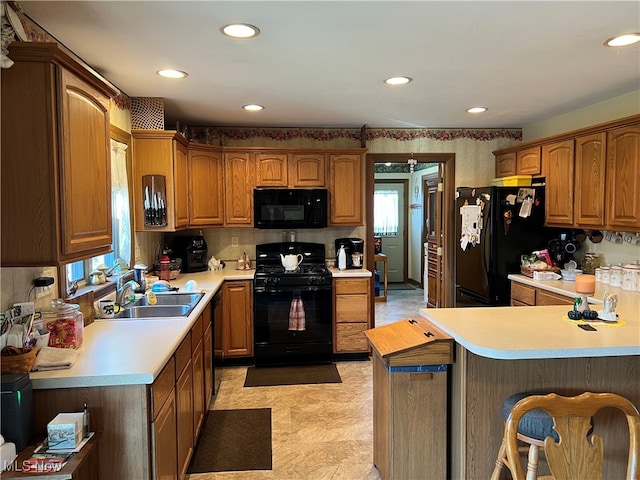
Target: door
x=389, y=223
x=433, y=241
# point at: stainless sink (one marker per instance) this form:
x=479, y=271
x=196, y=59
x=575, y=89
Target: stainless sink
x=155, y=311
x=190, y=299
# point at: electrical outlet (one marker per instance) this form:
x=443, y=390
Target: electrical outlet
x=234, y=241
x=43, y=291
x=46, y=291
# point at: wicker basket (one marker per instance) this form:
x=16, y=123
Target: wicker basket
x=18, y=363
x=528, y=271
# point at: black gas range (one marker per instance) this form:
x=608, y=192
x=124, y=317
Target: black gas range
x=292, y=307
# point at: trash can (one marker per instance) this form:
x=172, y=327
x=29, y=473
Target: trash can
x=410, y=367
x=16, y=399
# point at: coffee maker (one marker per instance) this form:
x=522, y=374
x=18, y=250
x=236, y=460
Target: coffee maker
x=192, y=249
x=354, y=248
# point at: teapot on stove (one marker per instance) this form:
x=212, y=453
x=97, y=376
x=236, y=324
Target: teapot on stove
x=291, y=261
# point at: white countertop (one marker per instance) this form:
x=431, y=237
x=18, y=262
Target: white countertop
x=512, y=333
x=133, y=352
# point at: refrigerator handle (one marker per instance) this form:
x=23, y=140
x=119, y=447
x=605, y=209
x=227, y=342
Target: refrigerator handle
x=486, y=250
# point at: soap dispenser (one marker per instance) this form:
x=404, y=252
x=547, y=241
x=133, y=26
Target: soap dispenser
x=342, y=258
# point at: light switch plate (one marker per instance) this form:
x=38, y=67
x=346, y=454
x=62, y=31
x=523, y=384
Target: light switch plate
x=234, y=241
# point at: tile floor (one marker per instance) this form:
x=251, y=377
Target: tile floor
x=319, y=432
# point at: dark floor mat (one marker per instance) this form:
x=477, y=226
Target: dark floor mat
x=298, y=375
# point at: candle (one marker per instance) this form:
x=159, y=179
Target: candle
x=586, y=284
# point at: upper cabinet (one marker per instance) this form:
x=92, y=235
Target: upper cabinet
x=528, y=162
x=271, y=169
x=557, y=159
x=206, y=186
x=623, y=178
x=239, y=179
x=345, y=189
x=506, y=165
x=56, y=167
x=293, y=170
x=160, y=180
x=590, y=158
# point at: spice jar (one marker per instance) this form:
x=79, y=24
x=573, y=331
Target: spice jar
x=65, y=323
x=590, y=263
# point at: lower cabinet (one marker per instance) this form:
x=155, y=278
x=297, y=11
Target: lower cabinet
x=184, y=405
x=351, y=315
x=234, y=334
x=528, y=296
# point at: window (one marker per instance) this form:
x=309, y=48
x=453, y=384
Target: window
x=385, y=213
x=121, y=220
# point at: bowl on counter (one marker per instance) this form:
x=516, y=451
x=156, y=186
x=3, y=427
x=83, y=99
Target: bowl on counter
x=570, y=275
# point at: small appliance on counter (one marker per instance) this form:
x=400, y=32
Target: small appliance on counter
x=354, y=249
x=192, y=250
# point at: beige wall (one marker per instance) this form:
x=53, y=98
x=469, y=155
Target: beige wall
x=612, y=109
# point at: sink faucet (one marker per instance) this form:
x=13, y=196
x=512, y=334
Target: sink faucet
x=126, y=293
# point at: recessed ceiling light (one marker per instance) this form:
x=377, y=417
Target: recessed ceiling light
x=240, y=30
x=398, y=80
x=172, y=73
x=477, y=109
x=623, y=40
x=253, y=107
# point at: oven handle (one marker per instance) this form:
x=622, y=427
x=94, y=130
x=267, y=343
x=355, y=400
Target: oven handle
x=306, y=288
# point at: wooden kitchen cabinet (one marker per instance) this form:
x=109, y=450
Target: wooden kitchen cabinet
x=558, y=163
x=271, y=169
x=623, y=179
x=161, y=153
x=184, y=405
x=527, y=296
x=56, y=163
x=239, y=180
x=506, y=165
x=590, y=161
x=307, y=170
x=208, y=363
x=351, y=314
x=163, y=426
x=235, y=338
x=197, y=366
x=345, y=189
x=206, y=186
x=528, y=162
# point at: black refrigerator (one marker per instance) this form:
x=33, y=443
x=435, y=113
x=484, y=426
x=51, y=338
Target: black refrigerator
x=491, y=235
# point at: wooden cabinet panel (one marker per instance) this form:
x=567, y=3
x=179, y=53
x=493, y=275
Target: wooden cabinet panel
x=198, y=389
x=547, y=298
x=347, y=286
x=180, y=168
x=523, y=293
x=506, y=164
x=345, y=190
x=350, y=337
x=558, y=161
x=307, y=170
x=590, y=180
x=163, y=385
x=351, y=314
x=239, y=178
x=208, y=365
x=237, y=319
x=623, y=179
x=58, y=140
x=164, y=441
x=183, y=355
x=528, y=161
x=271, y=169
x=184, y=418
x=352, y=308
x=206, y=186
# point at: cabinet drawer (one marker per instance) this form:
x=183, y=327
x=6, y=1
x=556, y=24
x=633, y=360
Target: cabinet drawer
x=196, y=332
x=350, y=337
x=523, y=293
x=516, y=303
x=352, y=308
x=163, y=386
x=183, y=355
x=349, y=286
x=547, y=298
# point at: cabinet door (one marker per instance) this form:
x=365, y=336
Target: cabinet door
x=237, y=314
x=506, y=165
x=271, y=169
x=85, y=170
x=623, y=179
x=206, y=185
x=239, y=179
x=163, y=439
x=181, y=188
x=590, y=180
x=198, y=389
x=208, y=366
x=528, y=161
x=345, y=190
x=558, y=164
x=184, y=418
x=307, y=170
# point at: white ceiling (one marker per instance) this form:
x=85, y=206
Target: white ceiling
x=322, y=63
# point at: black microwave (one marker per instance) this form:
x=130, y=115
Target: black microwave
x=289, y=208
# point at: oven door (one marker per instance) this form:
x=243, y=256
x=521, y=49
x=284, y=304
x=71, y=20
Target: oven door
x=293, y=325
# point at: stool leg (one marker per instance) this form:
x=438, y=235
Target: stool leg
x=502, y=456
x=532, y=463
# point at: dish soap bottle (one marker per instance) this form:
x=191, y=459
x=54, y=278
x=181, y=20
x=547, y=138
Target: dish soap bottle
x=342, y=258
x=165, y=266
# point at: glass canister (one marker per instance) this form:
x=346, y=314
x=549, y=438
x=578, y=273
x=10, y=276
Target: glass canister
x=65, y=323
x=590, y=263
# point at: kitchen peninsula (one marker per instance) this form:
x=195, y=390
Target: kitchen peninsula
x=504, y=350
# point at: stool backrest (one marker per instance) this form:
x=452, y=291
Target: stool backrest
x=576, y=456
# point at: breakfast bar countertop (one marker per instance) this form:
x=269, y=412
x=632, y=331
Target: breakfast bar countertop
x=133, y=352
x=514, y=333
